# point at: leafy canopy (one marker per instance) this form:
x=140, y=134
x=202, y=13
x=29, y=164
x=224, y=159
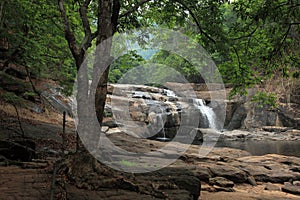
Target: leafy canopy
x=250, y=41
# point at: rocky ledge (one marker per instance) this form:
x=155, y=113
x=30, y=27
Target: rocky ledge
x=266, y=133
x=223, y=170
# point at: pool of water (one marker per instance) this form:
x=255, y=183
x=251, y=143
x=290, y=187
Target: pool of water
x=288, y=148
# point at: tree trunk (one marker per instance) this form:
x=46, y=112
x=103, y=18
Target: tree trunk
x=108, y=13
x=87, y=97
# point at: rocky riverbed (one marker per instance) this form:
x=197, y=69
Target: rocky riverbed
x=224, y=173
x=36, y=166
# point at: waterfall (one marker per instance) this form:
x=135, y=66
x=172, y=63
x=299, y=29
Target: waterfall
x=169, y=93
x=158, y=123
x=207, y=112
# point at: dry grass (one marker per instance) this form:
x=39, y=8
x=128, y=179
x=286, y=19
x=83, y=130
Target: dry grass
x=49, y=116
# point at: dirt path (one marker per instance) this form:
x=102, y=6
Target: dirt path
x=30, y=184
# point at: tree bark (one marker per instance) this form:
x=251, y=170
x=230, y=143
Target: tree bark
x=108, y=14
x=1, y=11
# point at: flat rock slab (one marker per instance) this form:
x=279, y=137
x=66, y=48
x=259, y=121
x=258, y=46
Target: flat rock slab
x=232, y=173
x=272, y=187
x=290, y=188
x=221, y=181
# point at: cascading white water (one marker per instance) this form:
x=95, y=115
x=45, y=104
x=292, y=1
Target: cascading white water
x=207, y=112
x=157, y=116
x=169, y=93
x=159, y=126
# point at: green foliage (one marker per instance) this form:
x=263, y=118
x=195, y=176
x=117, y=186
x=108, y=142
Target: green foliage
x=262, y=41
x=265, y=99
x=250, y=41
x=124, y=64
x=28, y=95
x=253, y=40
x=176, y=62
x=36, y=40
x=10, y=97
x=296, y=75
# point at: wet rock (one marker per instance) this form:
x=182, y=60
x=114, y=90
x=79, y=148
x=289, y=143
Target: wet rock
x=290, y=188
x=142, y=95
x=221, y=181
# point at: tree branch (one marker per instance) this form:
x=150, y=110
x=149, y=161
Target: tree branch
x=195, y=19
x=94, y=35
x=248, y=35
x=69, y=35
x=294, y=23
x=1, y=11
x=115, y=14
x=134, y=8
x=86, y=43
x=277, y=50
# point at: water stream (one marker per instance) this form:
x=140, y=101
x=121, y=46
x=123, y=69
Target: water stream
x=160, y=121
x=207, y=112
x=208, y=119
x=169, y=93
x=258, y=148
